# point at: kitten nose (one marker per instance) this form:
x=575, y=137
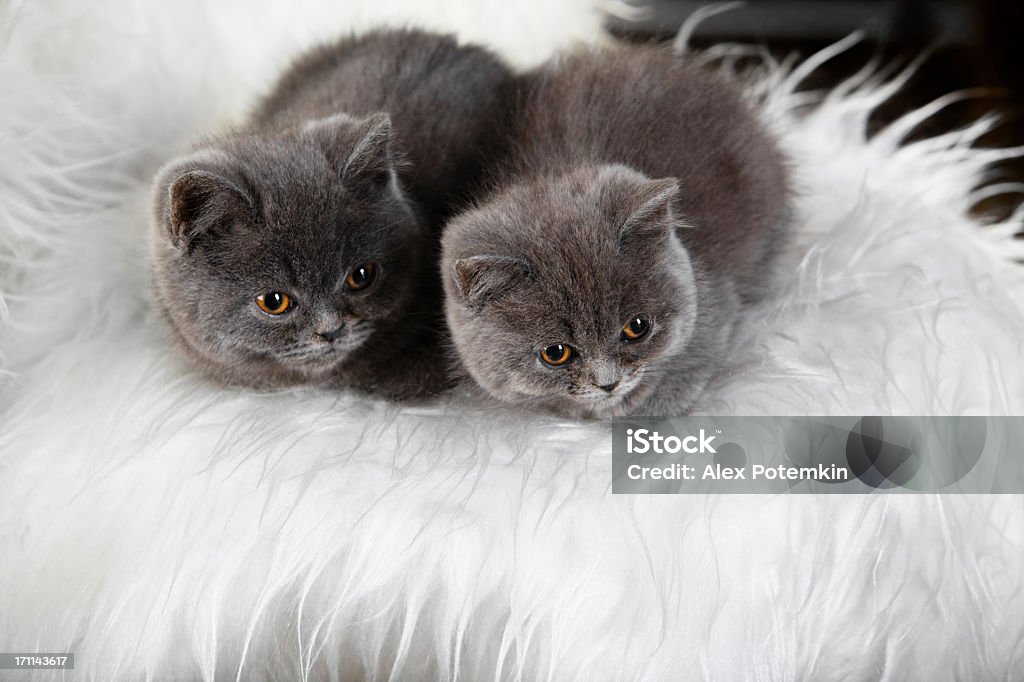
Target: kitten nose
x=333, y=334
x=606, y=375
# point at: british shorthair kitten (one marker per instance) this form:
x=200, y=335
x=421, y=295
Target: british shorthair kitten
x=302, y=247
x=639, y=211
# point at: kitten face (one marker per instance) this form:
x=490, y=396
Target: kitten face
x=279, y=256
x=571, y=293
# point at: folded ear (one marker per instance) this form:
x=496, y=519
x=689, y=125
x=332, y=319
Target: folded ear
x=650, y=206
x=642, y=207
x=200, y=195
x=371, y=159
x=479, y=279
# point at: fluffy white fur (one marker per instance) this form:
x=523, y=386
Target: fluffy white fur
x=163, y=528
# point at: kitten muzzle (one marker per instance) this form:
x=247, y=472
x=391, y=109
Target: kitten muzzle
x=333, y=334
x=606, y=375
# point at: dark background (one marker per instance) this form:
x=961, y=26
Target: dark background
x=972, y=45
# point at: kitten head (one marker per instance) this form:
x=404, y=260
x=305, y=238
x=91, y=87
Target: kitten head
x=571, y=292
x=279, y=255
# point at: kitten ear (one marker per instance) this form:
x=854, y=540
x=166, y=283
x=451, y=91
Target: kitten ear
x=199, y=196
x=481, y=278
x=370, y=160
x=651, y=209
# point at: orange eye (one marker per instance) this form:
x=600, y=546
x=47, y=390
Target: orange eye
x=274, y=303
x=636, y=329
x=361, y=277
x=557, y=355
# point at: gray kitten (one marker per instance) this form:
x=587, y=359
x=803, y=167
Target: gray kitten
x=640, y=211
x=302, y=248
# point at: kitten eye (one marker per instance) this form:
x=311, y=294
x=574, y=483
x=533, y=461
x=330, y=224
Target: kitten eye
x=274, y=303
x=557, y=355
x=361, y=277
x=636, y=329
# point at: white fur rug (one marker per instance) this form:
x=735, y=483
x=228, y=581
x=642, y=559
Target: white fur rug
x=162, y=528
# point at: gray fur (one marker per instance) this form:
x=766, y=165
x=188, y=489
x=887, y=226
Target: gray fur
x=358, y=155
x=638, y=185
